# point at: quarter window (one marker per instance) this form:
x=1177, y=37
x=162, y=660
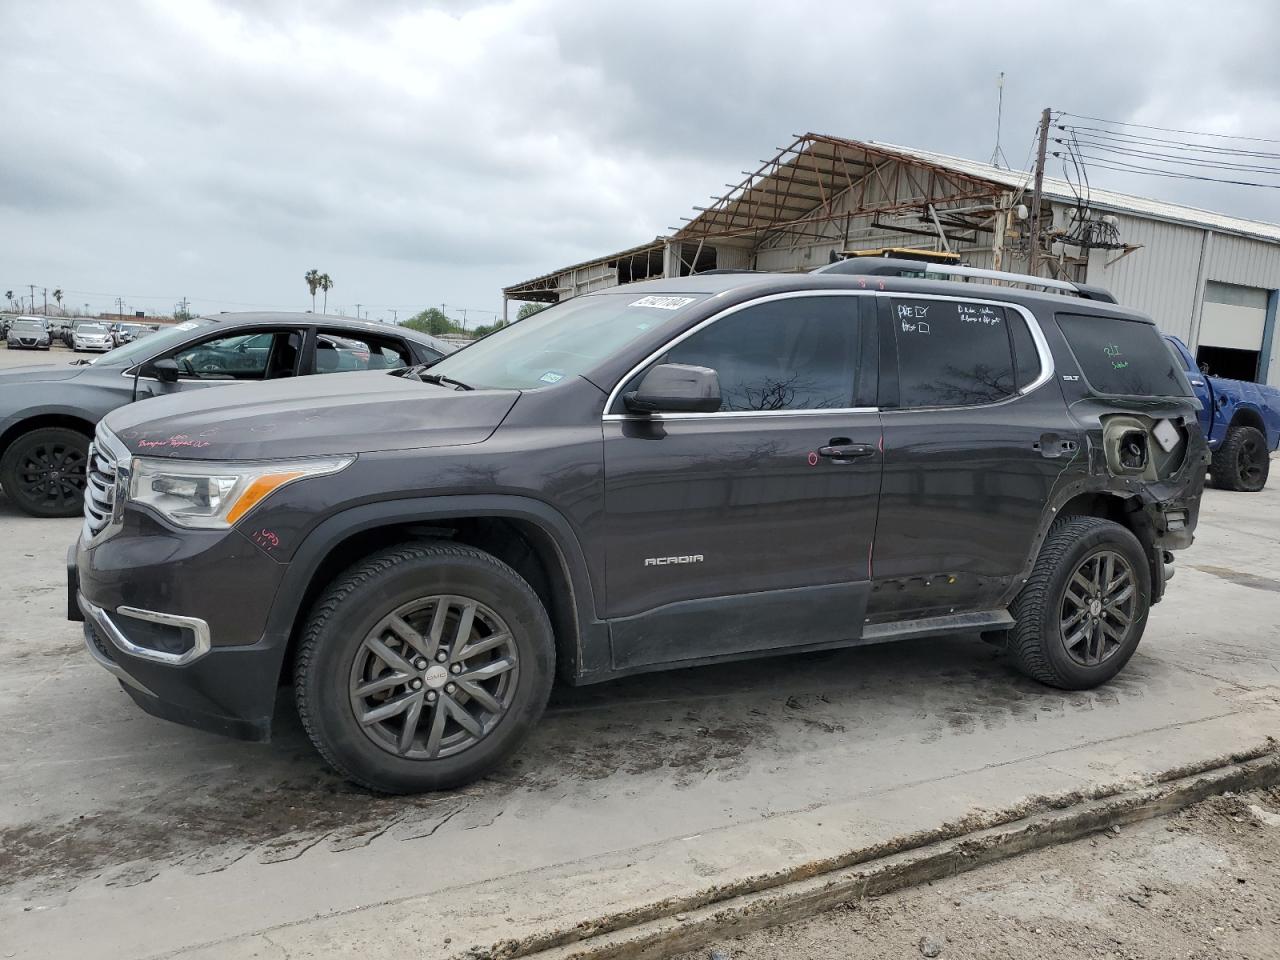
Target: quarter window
x=952, y=353
x=798, y=353
x=341, y=351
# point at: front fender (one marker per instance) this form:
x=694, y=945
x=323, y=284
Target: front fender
x=326, y=536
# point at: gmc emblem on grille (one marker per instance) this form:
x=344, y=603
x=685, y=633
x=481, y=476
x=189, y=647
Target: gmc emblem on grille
x=663, y=561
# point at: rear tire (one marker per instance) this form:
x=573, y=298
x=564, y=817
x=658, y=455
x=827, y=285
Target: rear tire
x=1243, y=462
x=401, y=697
x=1083, y=610
x=42, y=472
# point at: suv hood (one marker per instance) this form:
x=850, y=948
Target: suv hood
x=309, y=416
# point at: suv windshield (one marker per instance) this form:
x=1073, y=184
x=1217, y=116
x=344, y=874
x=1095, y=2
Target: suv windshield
x=145, y=347
x=561, y=342
x=1123, y=357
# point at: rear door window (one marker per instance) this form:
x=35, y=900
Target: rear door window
x=953, y=353
x=1123, y=357
x=343, y=351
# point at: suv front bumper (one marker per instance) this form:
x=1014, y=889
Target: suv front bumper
x=201, y=680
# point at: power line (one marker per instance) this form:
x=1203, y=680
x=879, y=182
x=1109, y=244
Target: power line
x=1110, y=163
x=1119, y=137
x=1193, y=133
x=1169, y=158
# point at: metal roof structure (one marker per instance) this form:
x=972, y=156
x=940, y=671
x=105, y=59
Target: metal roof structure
x=823, y=190
x=1109, y=200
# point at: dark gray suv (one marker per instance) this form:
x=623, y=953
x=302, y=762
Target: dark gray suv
x=48, y=413
x=673, y=473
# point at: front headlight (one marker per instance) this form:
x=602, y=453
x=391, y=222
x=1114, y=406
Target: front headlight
x=212, y=494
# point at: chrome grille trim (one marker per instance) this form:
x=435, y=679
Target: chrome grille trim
x=105, y=474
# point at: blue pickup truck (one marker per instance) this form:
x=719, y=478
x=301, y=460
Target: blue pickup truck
x=1241, y=421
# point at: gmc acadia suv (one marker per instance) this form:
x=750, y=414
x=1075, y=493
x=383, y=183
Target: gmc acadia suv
x=672, y=473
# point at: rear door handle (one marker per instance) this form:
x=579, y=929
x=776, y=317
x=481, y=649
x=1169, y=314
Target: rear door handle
x=846, y=452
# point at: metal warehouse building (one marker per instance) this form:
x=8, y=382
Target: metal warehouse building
x=1211, y=279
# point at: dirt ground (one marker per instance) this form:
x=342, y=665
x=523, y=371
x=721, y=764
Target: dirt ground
x=1203, y=885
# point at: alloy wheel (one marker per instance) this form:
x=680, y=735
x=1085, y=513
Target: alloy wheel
x=1099, y=605
x=1250, y=460
x=434, y=677
x=52, y=475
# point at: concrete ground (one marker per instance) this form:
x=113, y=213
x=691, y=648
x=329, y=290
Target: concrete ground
x=1203, y=884
x=125, y=836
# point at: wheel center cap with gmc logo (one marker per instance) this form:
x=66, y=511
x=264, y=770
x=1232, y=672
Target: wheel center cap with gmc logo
x=436, y=676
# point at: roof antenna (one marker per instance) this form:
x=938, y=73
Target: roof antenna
x=997, y=152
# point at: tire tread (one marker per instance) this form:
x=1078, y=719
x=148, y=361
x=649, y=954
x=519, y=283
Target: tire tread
x=349, y=582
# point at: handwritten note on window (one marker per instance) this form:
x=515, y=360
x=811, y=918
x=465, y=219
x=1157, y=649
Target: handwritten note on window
x=977, y=313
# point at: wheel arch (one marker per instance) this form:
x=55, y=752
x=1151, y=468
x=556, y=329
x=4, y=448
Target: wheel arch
x=1246, y=415
x=528, y=535
x=37, y=421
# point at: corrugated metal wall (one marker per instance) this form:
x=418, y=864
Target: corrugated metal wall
x=1239, y=260
x=1159, y=279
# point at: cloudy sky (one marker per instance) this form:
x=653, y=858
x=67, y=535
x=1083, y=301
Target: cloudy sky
x=431, y=152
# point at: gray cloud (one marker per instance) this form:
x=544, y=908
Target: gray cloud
x=429, y=152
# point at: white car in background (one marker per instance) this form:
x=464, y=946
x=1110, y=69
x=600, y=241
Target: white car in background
x=91, y=336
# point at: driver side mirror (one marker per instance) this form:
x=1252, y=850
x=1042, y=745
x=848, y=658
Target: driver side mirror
x=675, y=388
x=164, y=370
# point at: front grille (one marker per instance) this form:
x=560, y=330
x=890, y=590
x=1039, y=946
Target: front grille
x=99, y=491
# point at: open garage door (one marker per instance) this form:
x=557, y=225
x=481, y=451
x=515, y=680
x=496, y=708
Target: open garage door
x=1232, y=321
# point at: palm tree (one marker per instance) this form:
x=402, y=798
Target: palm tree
x=8, y=295
x=313, y=284
x=326, y=284
x=57, y=298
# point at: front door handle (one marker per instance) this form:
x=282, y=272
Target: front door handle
x=846, y=452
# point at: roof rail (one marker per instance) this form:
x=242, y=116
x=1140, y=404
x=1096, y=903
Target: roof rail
x=890, y=267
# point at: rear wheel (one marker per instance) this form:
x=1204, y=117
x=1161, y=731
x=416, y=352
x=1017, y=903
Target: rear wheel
x=424, y=666
x=1084, y=608
x=1242, y=462
x=42, y=472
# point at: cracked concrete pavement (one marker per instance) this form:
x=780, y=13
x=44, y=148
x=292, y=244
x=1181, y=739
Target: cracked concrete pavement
x=125, y=836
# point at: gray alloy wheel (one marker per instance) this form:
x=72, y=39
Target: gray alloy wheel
x=423, y=666
x=434, y=677
x=1081, y=614
x=1098, y=607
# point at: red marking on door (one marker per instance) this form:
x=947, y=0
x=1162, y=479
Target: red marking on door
x=813, y=458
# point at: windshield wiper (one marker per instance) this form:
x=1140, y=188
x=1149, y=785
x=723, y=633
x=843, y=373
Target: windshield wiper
x=439, y=379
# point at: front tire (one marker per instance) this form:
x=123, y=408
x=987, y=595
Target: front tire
x=1243, y=462
x=1084, y=608
x=43, y=472
x=422, y=667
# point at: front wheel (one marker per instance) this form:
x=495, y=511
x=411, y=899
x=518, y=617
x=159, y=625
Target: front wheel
x=1242, y=462
x=43, y=472
x=422, y=667
x=1084, y=607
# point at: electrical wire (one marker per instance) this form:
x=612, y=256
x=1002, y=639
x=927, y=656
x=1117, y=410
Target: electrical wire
x=1147, y=126
x=1168, y=158
x=1110, y=163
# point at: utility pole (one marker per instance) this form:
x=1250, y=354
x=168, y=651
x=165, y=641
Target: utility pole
x=33, y=296
x=120, y=308
x=1034, y=258
x=45, y=290
x=395, y=318
x=357, y=311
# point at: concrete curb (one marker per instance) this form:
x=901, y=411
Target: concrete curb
x=662, y=929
